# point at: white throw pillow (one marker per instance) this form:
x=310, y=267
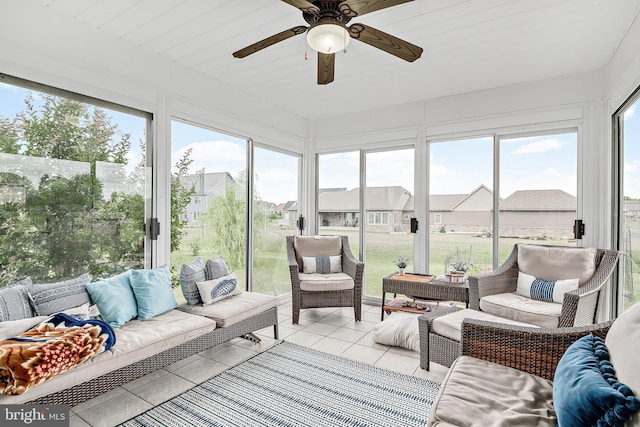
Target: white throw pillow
x=544, y=290
x=400, y=329
x=81, y=312
x=12, y=328
x=218, y=289
x=322, y=264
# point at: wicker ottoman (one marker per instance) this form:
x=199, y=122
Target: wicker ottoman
x=434, y=347
x=440, y=333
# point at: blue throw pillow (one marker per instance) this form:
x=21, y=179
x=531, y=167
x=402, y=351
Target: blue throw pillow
x=114, y=298
x=153, y=292
x=586, y=391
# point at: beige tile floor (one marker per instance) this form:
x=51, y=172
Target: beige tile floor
x=328, y=329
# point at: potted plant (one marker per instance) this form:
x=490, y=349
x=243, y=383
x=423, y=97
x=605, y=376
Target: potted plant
x=401, y=263
x=456, y=267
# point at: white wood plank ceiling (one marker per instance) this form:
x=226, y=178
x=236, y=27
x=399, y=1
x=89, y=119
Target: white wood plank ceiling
x=468, y=45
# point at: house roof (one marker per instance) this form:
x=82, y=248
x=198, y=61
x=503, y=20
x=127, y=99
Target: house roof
x=445, y=202
x=539, y=200
x=208, y=183
x=393, y=198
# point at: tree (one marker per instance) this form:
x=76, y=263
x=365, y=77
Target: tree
x=226, y=218
x=181, y=194
x=64, y=224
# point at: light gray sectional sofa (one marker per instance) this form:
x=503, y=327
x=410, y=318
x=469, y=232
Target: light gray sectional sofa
x=142, y=346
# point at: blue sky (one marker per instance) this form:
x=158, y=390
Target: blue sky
x=543, y=162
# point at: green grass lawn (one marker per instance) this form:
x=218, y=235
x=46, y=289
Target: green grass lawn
x=271, y=272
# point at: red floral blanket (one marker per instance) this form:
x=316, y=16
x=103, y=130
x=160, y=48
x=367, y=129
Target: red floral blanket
x=49, y=349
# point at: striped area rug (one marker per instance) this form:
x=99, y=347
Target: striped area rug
x=292, y=385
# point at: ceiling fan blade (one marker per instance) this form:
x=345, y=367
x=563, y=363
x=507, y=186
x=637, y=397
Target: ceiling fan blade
x=304, y=6
x=326, y=66
x=353, y=8
x=269, y=41
x=387, y=42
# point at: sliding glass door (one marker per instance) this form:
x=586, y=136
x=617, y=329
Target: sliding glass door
x=461, y=205
x=627, y=134
x=209, y=197
x=75, y=187
x=537, y=201
x=338, y=196
x=275, y=211
x=389, y=207
x=538, y=189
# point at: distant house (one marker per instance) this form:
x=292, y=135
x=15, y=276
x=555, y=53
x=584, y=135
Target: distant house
x=206, y=186
x=538, y=213
x=288, y=212
x=461, y=212
x=632, y=208
x=389, y=208
x=525, y=213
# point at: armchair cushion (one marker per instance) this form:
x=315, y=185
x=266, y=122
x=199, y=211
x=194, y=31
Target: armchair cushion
x=557, y=263
x=586, y=391
x=322, y=264
x=325, y=282
x=480, y=393
x=315, y=246
x=522, y=309
x=450, y=325
x=544, y=290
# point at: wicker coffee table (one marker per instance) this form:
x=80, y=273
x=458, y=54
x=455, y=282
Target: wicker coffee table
x=424, y=286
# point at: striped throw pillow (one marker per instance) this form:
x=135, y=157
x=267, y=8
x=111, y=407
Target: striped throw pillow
x=544, y=290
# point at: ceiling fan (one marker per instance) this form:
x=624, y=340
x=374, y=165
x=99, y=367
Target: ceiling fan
x=328, y=33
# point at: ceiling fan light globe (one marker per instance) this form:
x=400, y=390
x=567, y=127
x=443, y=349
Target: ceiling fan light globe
x=328, y=38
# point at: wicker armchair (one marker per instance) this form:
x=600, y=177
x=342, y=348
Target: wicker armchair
x=578, y=308
x=536, y=351
x=319, y=290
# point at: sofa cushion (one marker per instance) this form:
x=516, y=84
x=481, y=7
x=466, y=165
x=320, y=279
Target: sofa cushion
x=325, y=282
x=114, y=298
x=623, y=342
x=14, y=301
x=313, y=246
x=522, y=309
x=322, y=264
x=189, y=275
x=450, y=325
x=215, y=290
x=49, y=298
x=544, y=290
x=480, y=393
x=135, y=341
x=153, y=291
x=235, y=309
x=585, y=389
x=553, y=263
x=215, y=268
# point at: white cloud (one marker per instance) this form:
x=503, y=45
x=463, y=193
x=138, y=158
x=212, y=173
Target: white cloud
x=631, y=167
x=277, y=185
x=214, y=156
x=390, y=168
x=631, y=111
x=4, y=86
x=539, y=146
